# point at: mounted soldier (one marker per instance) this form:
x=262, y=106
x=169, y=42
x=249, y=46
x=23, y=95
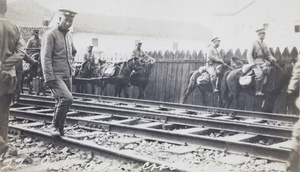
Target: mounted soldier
x=260, y=57
x=214, y=61
x=89, y=58
x=138, y=52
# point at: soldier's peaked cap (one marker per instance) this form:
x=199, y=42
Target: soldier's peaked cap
x=215, y=39
x=262, y=30
x=35, y=31
x=67, y=13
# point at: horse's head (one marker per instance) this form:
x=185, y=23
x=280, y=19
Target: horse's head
x=101, y=62
x=135, y=64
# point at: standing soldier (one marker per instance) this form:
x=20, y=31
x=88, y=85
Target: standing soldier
x=57, y=56
x=34, y=43
x=138, y=52
x=260, y=57
x=9, y=56
x=293, y=89
x=214, y=60
x=19, y=72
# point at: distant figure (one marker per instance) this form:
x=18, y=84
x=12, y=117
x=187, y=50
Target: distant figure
x=20, y=73
x=293, y=89
x=57, y=56
x=138, y=52
x=9, y=57
x=89, y=58
x=213, y=60
x=260, y=57
x=34, y=42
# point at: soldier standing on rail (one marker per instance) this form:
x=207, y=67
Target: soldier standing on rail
x=293, y=89
x=57, y=56
x=34, y=42
x=213, y=60
x=9, y=56
x=260, y=57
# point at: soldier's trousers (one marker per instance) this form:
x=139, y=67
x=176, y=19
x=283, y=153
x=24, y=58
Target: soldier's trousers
x=64, y=99
x=7, y=89
x=294, y=159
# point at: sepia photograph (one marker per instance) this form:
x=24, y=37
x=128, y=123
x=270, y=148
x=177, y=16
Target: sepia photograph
x=149, y=85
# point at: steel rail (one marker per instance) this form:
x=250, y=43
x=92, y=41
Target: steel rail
x=232, y=112
x=240, y=146
x=101, y=150
x=208, y=122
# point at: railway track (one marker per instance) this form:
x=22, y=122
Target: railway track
x=211, y=128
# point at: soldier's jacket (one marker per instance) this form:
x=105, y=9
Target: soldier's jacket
x=57, y=54
x=258, y=50
x=33, y=43
x=9, y=52
x=138, y=53
x=294, y=81
x=213, y=56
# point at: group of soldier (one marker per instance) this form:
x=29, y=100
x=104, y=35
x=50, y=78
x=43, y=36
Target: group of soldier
x=259, y=58
x=57, y=56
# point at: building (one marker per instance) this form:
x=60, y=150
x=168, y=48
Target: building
x=114, y=37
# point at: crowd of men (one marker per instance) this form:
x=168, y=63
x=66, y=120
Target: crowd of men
x=57, y=55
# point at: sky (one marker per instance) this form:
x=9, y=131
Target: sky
x=178, y=10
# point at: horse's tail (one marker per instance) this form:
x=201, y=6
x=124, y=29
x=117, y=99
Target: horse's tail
x=185, y=94
x=224, y=87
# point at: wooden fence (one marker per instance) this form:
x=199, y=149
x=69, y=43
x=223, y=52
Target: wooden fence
x=171, y=72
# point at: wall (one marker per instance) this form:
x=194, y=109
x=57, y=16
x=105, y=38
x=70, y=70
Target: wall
x=119, y=47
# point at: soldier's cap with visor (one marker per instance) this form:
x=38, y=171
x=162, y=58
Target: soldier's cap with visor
x=67, y=13
x=138, y=42
x=90, y=47
x=262, y=30
x=215, y=39
x=35, y=31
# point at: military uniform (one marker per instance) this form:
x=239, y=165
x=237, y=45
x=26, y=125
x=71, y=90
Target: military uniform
x=89, y=58
x=19, y=73
x=57, y=57
x=9, y=56
x=260, y=56
x=212, y=61
x=293, y=88
x=138, y=52
x=34, y=43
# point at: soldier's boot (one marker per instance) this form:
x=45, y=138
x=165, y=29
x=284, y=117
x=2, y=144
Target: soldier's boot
x=258, y=88
x=216, y=86
x=61, y=130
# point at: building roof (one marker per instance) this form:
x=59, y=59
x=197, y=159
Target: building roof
x=102, y=24
x=28, y=13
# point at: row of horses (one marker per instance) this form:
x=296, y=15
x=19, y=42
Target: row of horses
x=230, y=87
x=135, y=72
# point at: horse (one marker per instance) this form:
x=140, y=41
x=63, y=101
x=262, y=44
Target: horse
x=205, y=85
x=86, y=70
x=140, y=79
x=121, y=76
x=280, y=74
